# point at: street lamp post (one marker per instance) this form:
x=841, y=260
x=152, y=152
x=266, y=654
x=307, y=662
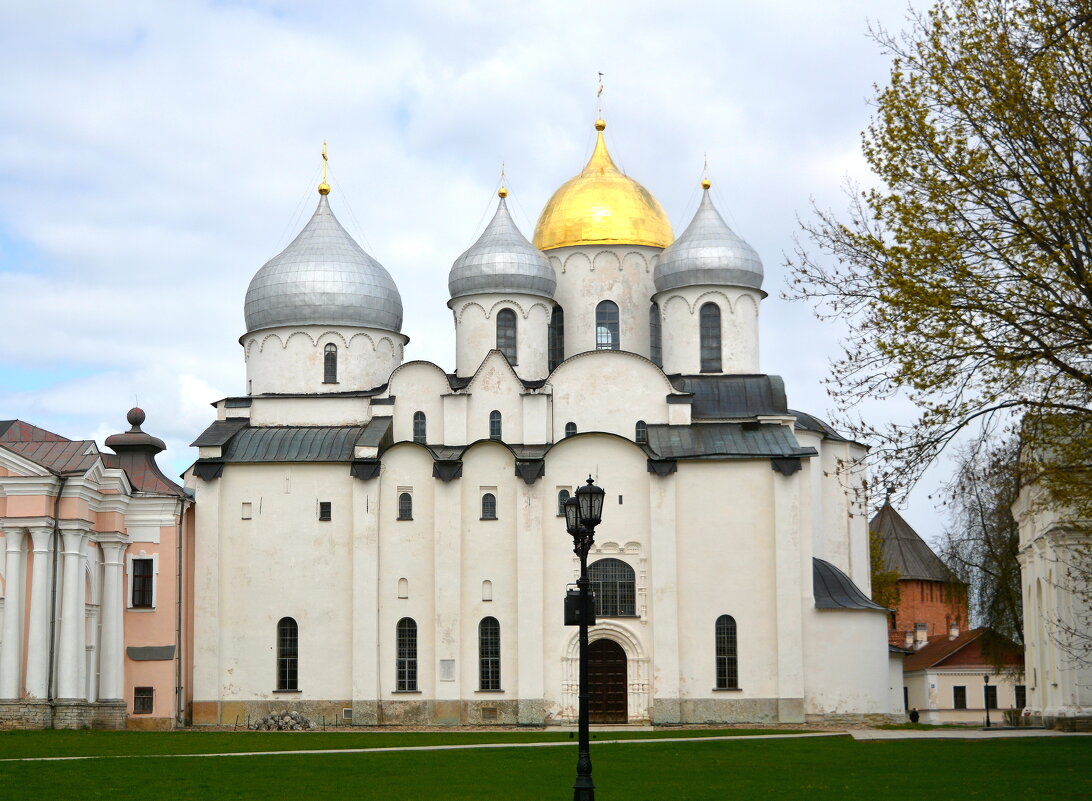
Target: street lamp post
x=986, y=697
x=582, y=514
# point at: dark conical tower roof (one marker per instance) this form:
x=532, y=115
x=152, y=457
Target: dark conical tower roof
x=904, y=550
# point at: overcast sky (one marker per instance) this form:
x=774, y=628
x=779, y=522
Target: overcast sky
x=153, y=155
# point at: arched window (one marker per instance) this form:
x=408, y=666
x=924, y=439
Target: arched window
x=405, y=506
x=494, y=424
x=710, y=338
x=406, y=644
x=640, y=433
x=615, y=588
x=570, y=429
x=506, y=334
x=556, y=338
x=489, y=654
x=403, y=588
x=329, y=364
x=489, y=506
x=562, y=497
x=606, y=326
x=487, y=590
x=655, y=336
x=288, y=654
x=419, y=427
x=727, y=666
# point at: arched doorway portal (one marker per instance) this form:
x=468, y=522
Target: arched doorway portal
x=607, y=684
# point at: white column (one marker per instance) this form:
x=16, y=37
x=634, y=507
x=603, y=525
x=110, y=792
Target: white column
x=365, y=594
x=112, y=609
x=530, y=656
x=664, y=600
x=69, y=646
x=38, y=632
x=447, y=567
x=790, y=587
x=11, y=651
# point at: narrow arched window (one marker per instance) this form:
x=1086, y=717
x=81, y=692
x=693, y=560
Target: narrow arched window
x=606, y=326
x=329, y=364
x=489, y=654
x=727, y=665
x=710, y=338
x=570, y=429
x=562, y=498
x=419, y=427
x=288, y=653
x=615, y=588
x=655, y=336
x=405, y=506
x=640, y=433
x=406, y=646
x=506, y=334
x=494, y=424
x=556, y=338
x=403, y=588
x=489, y=506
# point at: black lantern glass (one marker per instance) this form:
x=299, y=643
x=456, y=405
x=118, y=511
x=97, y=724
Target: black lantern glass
x=590, y=498
x=572, y=516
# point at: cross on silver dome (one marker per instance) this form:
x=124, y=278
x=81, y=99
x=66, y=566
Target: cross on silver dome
x=323, y=278
x=502, y=261
x=708, y=252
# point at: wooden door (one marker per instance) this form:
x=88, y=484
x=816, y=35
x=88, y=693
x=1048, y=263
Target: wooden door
x=607, y=696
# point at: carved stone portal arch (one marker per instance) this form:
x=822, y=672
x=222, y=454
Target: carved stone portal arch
x=637, y=671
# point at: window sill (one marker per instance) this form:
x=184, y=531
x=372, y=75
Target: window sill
x=727, y=689
x=403, y=519
x=331, y=382
x=140, y=609
x=405, y=692
x=489, y=518
x=489, y=692
x=290, y=692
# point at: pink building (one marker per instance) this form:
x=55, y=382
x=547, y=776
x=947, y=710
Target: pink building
x=93, y=578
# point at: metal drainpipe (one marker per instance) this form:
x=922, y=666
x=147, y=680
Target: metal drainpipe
x=53, y=593
x=179, y=701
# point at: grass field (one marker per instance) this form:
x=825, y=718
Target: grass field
x=1046, y=769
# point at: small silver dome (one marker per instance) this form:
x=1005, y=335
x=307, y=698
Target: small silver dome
x=502, y=261
x=323, y=278
x=708, y=252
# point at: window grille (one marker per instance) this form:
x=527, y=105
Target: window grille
x=489, y=654
x=142, y=583
x=287, y=654
x=615, y=588
x=710, y=338
x=556, y=338
x=405, y=506
x=494, y=424
x=489, y=506
x=640, y=433
x=562, y=497
x=143, y=700
x=606, y=326
x=324, y=511
x=570, y=429
x=406, y=667
x=727, y=663
x=655, y=336
x=419, y=427
x=506, y=334
x=329, y=364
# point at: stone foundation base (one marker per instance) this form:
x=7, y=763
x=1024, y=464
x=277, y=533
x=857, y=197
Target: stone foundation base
x=739, y=710
x=62, y=714
x=416, y=712
x=857, y=719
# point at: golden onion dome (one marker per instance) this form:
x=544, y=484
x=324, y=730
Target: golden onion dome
x=602, y=206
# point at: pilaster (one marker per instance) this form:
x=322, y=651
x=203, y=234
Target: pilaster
x=37, y=682
x=530, y=682
x=447, y=569
x=664, y=596
x=11, y=650
x=789, y=593
x=112, y=636
x=69, y=645
x=365, y=595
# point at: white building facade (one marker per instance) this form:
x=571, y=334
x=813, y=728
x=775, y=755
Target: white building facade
x=380, y=541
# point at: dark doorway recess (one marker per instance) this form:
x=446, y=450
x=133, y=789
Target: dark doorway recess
x=607, y=696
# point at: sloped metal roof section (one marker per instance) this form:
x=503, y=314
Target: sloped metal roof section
x=220, y=432
x=73, y=457
x=377, y=434
x=903, y=550
x=809, y=422
x=294, y=444
x=833, y=589
x=724, y=441
x=733, y=396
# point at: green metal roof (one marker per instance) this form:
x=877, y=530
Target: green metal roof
x=724, y=441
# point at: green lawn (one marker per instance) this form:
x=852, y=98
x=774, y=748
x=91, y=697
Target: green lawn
x=1050, y=769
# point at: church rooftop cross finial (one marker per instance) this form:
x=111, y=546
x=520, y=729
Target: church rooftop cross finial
x=502, y=193
x=324, y=188
x=705, y=182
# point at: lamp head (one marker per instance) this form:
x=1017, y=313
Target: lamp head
x=590, y=499
x=572, y=517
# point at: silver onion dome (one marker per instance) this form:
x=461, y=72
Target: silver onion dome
x=708, y=252
x=502, y=261
x=323, y=278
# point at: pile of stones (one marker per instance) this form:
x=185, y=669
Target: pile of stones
x=283, y=721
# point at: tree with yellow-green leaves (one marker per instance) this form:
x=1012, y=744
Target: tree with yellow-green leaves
x=964, y=275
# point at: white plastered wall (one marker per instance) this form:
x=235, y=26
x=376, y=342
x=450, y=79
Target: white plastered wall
x=476, y=331
x=680, y=313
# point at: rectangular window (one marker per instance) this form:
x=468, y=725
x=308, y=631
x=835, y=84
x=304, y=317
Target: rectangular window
x=142, y=583
x=142, y=700
x=1021, y=697
x=247, y=510
x=959, y=697
x=324, y=510
x=991, y=696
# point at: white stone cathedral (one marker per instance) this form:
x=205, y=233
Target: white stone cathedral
x=381, y=541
